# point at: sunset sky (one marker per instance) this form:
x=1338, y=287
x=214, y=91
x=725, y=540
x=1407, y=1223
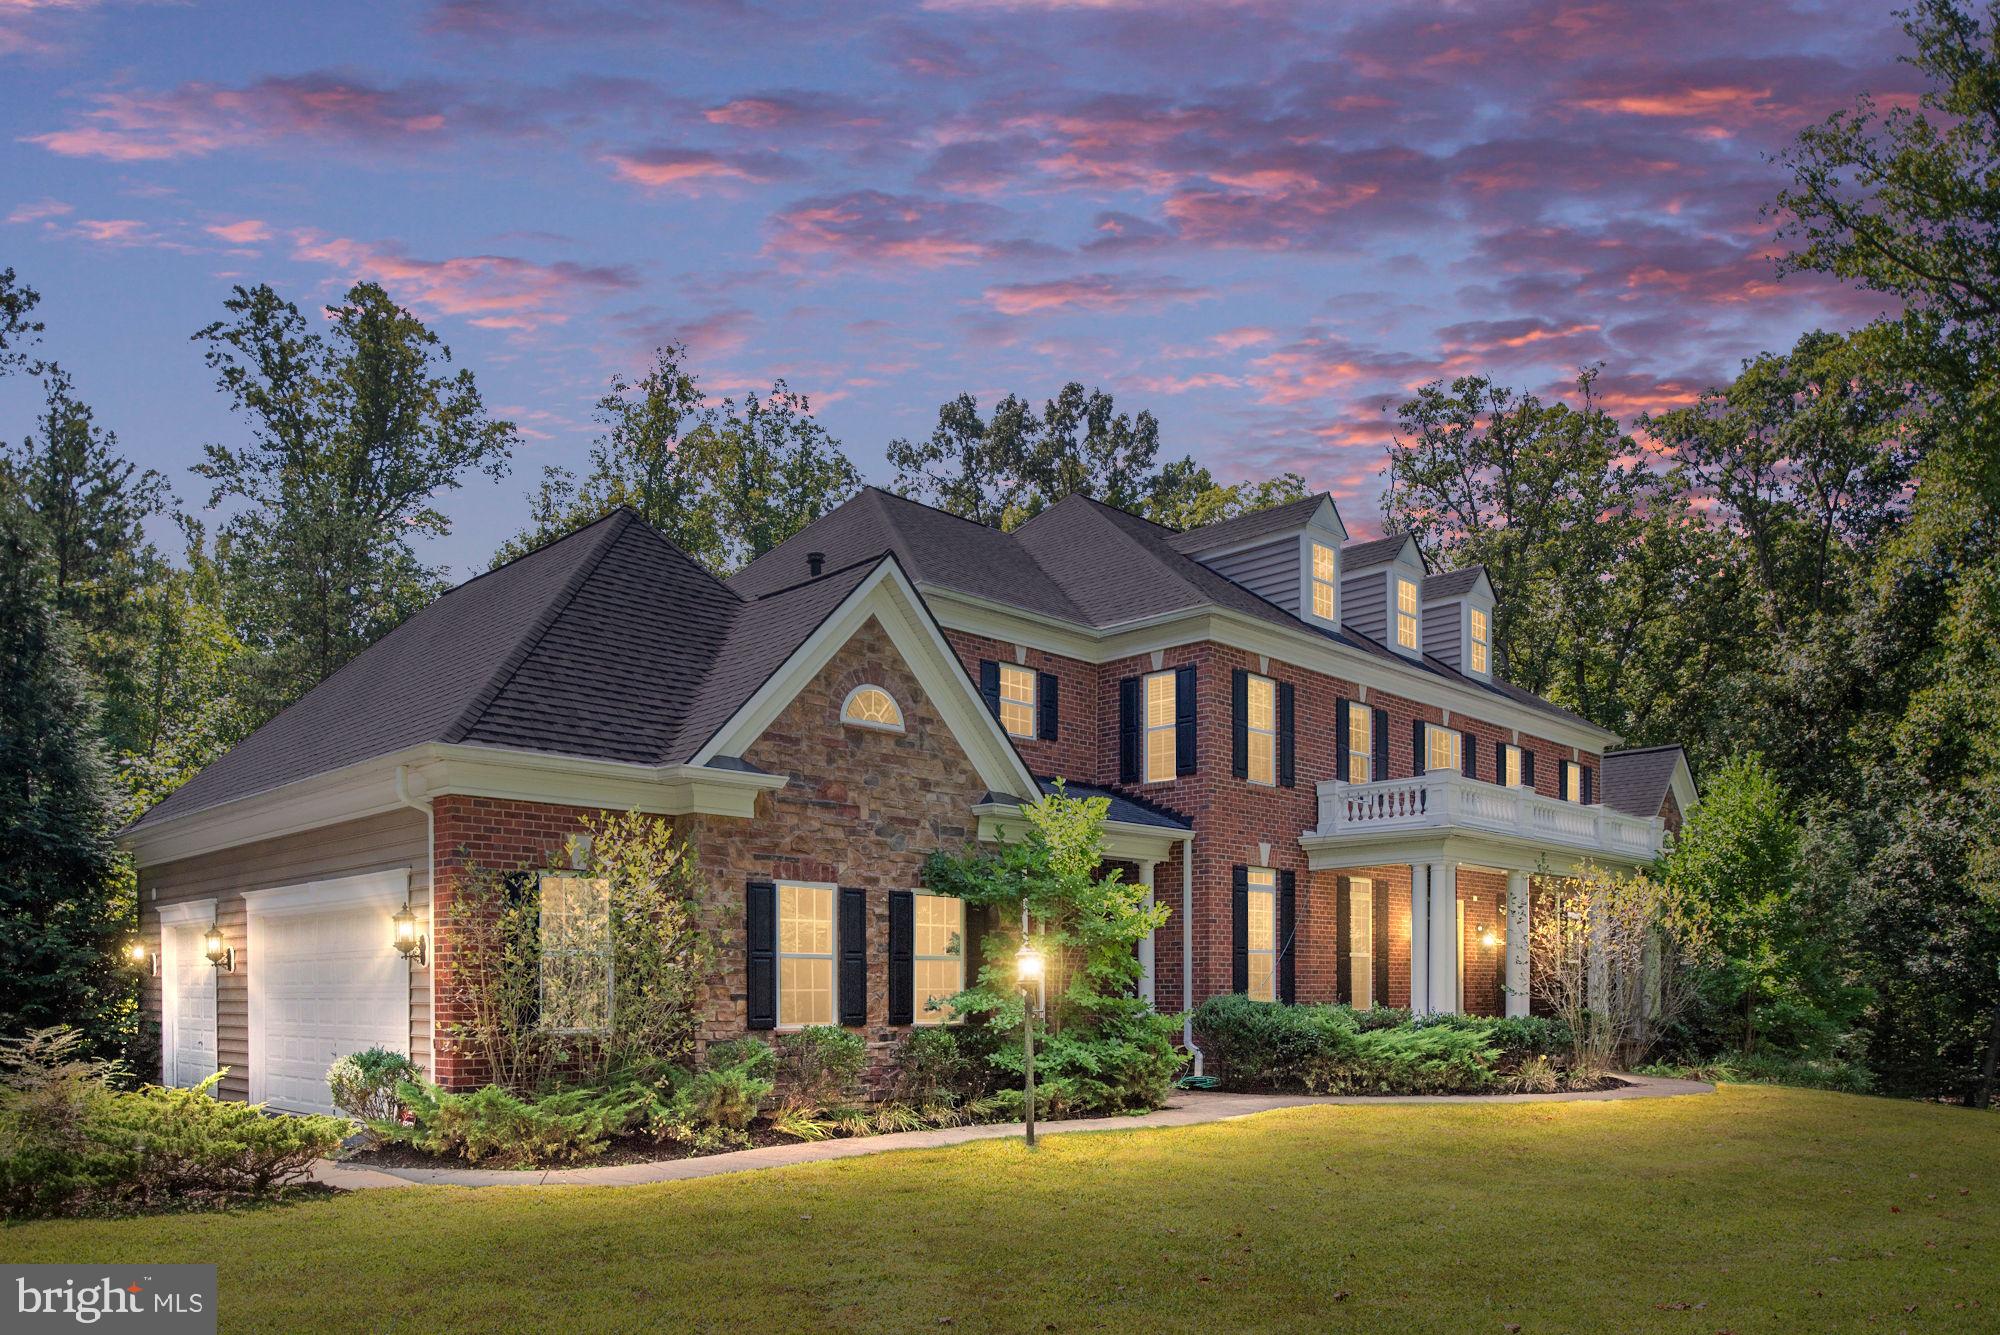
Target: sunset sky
x=1263, y=221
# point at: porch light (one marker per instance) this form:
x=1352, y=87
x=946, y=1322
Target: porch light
x=411, y=943
x=1490, y=937
x=1028, y=968
x=140, y=956
x=216, y=949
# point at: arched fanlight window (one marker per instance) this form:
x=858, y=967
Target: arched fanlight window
x=871, y=707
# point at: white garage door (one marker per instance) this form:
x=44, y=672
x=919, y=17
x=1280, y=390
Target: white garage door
x=325, y=981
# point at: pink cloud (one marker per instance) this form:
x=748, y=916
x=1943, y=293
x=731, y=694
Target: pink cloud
x=872, y=226
x=200, y=118
x=491, y=291
x=689, y=169
x=41, y=210
x=245, y=232
x=1089, y=292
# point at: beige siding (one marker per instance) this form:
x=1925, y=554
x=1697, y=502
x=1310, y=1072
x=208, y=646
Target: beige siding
x=1270, y=571
x=378, y=843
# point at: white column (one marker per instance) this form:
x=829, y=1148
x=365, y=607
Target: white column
x=1420, y=939
x=1444, y=937
x=1146, y=866
x=1517, y=943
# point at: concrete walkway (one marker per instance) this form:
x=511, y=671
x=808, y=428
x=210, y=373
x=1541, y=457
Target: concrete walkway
x=1189, y=1108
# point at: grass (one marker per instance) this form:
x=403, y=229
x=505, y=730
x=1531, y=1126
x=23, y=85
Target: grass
x=1756, y=1209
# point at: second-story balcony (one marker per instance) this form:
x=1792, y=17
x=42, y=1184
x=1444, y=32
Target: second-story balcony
x=1445, y=802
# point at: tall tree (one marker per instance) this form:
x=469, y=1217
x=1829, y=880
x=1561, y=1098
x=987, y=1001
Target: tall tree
x=63, y=896
x=1186, y=495
x=88, y=505
x=727, y=482
x=19, y=331
x=353, y=433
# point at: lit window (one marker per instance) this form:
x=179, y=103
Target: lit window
x=1322, y=581
x=805, y=954
x=1263, y=934
x=939, y=954
x=1160, y=727
x=1441, y=748
x=1480, y=641
x=576, y=953
x=1572, y=781
x=1510, y=765
x=1263, y=729
x=871, y=707
x=1360, y=743
x=1017, y=700
x=1406, y=614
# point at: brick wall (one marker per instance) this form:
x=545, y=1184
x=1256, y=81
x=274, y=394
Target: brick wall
x=1075, y=753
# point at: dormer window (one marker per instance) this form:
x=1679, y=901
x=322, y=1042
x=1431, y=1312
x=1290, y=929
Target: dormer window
x=1406, y=613
x=1323, y=604
x=1481, y=632
x=871, y=707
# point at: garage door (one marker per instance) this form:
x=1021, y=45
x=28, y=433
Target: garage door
x=325, y=981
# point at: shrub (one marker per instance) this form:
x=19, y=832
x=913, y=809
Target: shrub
x=69, y=1142
x=1537, y=1075
x=490, y=1125
x=1327, y=1050
x=364, y=1084
x=934, y=1070
x=800, y=1121
x=820, y=1063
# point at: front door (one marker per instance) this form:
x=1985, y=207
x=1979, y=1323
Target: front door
x=187, y=1012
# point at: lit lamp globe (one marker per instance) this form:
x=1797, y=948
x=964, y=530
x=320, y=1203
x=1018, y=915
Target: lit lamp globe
x=1028, y=964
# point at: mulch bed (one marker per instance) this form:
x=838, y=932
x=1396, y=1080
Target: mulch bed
x=620, y=1150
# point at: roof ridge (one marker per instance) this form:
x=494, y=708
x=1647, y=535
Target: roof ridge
x=526, y=645
x=858, y=562
x=579, y=530
x=1656, y=746
x=677, y=549
x=887, y=494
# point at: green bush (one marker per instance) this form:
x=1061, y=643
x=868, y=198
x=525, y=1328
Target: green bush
x=1336, y=1050
x=1839, y=1074
x=71, y=1143
x=364, y=1083
x=490, y=1125
x=931, y=1069
x=820, y=1063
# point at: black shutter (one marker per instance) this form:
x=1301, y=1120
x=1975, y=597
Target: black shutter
x=1528, y=768
x=1343, y=928
x=1239, y=941
x=1184, y=719
x=971, y=950
x=1340, y=739
x=1379, y=915
x=1420, y=763
x=523, y=890
x=1589, y=784
x=902, y=957
x=1287, y=776
x=1046, y=720
x=1470, y=754
x=1379, y=769
x=989, y=685
x=1128, y=730
x=1288, y=916
x=760, y=955
x=1500, y=762
x=1239, y=723
x=853, y=956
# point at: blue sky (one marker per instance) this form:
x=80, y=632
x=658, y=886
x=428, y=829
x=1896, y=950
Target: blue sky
x=1264, y=221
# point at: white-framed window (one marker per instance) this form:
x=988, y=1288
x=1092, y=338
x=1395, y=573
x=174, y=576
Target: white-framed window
x=1017, y=700
x=1572, y=781
x=871, y=707
x=939, y=954
x=1481, y=632
x=1406, y=612
x=1360, y=743
x=576, y=956
x=1443, y=748
x=1161, y=726
x=1323, y=600
x=1361, y=942
x=805, y=954
x=1262, y=938
x=1510, y=765
x=1261, y=709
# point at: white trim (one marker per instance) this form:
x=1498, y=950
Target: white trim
x=389, y=890
x=1124, y=841
x=187, y=910
x=851, y=722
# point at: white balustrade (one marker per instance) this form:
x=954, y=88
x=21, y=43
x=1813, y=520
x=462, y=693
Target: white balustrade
x=1446, y=799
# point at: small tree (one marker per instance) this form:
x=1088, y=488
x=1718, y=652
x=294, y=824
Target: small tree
x=1610, y=955
x=635, y=908
x=1101, y=1047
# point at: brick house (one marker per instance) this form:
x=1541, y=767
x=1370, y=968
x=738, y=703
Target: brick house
x=1309, y=755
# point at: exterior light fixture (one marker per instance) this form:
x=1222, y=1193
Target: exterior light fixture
x=411, y=943
x=218, y=953
x=1490, y=937
x=1028, y=968
x=141, y=956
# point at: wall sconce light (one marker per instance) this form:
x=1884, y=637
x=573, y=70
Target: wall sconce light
x=218, y=953
x=1490, y=937
x=142, y=956
x=411, y=943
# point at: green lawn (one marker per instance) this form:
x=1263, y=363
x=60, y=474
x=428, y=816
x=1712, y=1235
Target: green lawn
x=1757, y=1209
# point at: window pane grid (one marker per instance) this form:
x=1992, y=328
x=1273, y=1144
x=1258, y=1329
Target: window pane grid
x=1511, y=775
x=939, y=955
x=1262, y=935
x=1360, y=743
x=1322, y=581
x=1160, y=730
x=1441, y=746
x=575, y=953
x=1262, y=711
x=805, y=954
x=1017, y=700
x=873, y=705
x=1479, y=640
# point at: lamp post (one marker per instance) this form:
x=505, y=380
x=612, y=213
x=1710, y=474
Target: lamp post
x=1028, y=968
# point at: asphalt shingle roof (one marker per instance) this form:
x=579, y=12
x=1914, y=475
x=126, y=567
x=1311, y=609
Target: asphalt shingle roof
x=1636, y=782
x=1452, y=583
x=1245, y=528
x=1361, y=555
x=1124, y=807
x=609, y=643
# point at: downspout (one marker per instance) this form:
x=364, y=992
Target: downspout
x=1187, y=949
x=403, y=798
